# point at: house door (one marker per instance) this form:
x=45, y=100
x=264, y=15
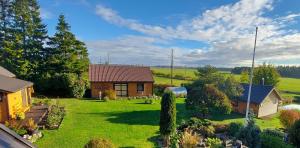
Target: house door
x=121, y=89
x=3, y=108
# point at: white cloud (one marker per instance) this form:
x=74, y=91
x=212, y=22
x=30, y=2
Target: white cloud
x=46, y=14
x=229, y=31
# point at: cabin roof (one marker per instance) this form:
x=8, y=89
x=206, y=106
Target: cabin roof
x=6, y=73
x=8, y=84
x=258, y=93
x=119, y=73
x=9, y=138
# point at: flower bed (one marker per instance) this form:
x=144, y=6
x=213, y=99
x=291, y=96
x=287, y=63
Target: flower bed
x=55, y=116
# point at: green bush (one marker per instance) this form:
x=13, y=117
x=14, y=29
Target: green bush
x=234, y=128
x=250, y=135
x=167, y=123
x=63, y=85
x=111, y=94
x=271, y=141
x=294, y=133
x=99, y=143
x=214, y=143
x=274, y=132
x=148, y=101
x=55, y=115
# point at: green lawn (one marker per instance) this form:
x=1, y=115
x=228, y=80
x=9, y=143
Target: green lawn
x=127, y=123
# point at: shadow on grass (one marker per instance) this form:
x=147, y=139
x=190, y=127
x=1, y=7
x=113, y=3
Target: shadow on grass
x=155, y=140
x=143, y=117
x=297, y=99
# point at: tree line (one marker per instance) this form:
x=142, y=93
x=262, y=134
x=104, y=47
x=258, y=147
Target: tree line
x=57, y=64
x=284, y=71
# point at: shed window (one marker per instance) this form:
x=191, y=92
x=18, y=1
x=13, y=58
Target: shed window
x=121, y=89
x=140, y=87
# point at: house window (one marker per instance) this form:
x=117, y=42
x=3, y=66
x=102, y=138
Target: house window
x=140, y=87
x=121, y=89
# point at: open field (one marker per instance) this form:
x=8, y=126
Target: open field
x=127, y=123
x=289, y=87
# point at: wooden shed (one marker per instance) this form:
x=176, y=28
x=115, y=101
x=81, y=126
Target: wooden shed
x=15, y=95
x=264, y=100
x=125, y=80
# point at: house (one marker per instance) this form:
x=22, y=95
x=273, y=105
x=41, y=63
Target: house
x=178, y=91
x=264, y=100
x=15, y=95
x=10, y=139
x=126, y=80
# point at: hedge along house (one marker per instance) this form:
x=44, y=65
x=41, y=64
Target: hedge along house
x=125, y=80
x=15, y=95
x=264, y=100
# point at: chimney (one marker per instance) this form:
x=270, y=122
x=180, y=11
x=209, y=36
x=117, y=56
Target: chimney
x=263, y=81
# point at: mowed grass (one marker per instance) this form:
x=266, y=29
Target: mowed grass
x=289, y=87
x=127, y=123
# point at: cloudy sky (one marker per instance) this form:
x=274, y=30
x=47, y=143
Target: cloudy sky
x=201, y=32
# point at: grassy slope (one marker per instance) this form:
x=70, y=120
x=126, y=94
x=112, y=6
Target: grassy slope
x=125, y=123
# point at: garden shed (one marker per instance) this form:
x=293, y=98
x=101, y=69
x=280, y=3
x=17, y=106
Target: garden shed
x=264, y=100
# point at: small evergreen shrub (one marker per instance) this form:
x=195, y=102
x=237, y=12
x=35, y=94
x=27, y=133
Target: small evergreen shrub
x=99, y=143
x=234, y=128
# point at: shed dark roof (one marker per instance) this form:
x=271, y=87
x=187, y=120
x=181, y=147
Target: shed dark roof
x=119, y=73
x=12, y=84
x=258, y=93
x=9, y=138
x=5, y=72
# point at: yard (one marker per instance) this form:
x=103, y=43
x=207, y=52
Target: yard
x=127, y=123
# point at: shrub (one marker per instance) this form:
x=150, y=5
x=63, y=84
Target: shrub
x=234, y=128
x=99, y=143
x=214, y=143
x=148, y=101
x=220, y=128
x=294, y=133
x=55, y=116
x=250, y=133
x=288, y=117
x=30, y=126
x=189, y=140
x=16, y=126
x=201, y=126
x=167, y=123
x=105, y=99
x=111, y=94
x=20, y=115
x=274, y=132
x=271, y=141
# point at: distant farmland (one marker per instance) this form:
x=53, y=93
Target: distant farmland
x=289, y=87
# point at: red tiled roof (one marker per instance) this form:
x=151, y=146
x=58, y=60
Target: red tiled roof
x=119, y=73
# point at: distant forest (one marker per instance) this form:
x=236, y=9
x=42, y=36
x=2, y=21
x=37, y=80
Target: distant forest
x=284, y=71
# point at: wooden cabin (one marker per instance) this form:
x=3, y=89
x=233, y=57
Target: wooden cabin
x=264, y=100
x=125, y=80
x=15, y=95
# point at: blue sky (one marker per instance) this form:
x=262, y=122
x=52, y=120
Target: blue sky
x=220, y=33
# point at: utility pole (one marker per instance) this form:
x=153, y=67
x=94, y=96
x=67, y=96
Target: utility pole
x=172, y=60
x=251, y=77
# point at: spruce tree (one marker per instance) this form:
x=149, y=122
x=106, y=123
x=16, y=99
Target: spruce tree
x=66, y=54
x=167, y=116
